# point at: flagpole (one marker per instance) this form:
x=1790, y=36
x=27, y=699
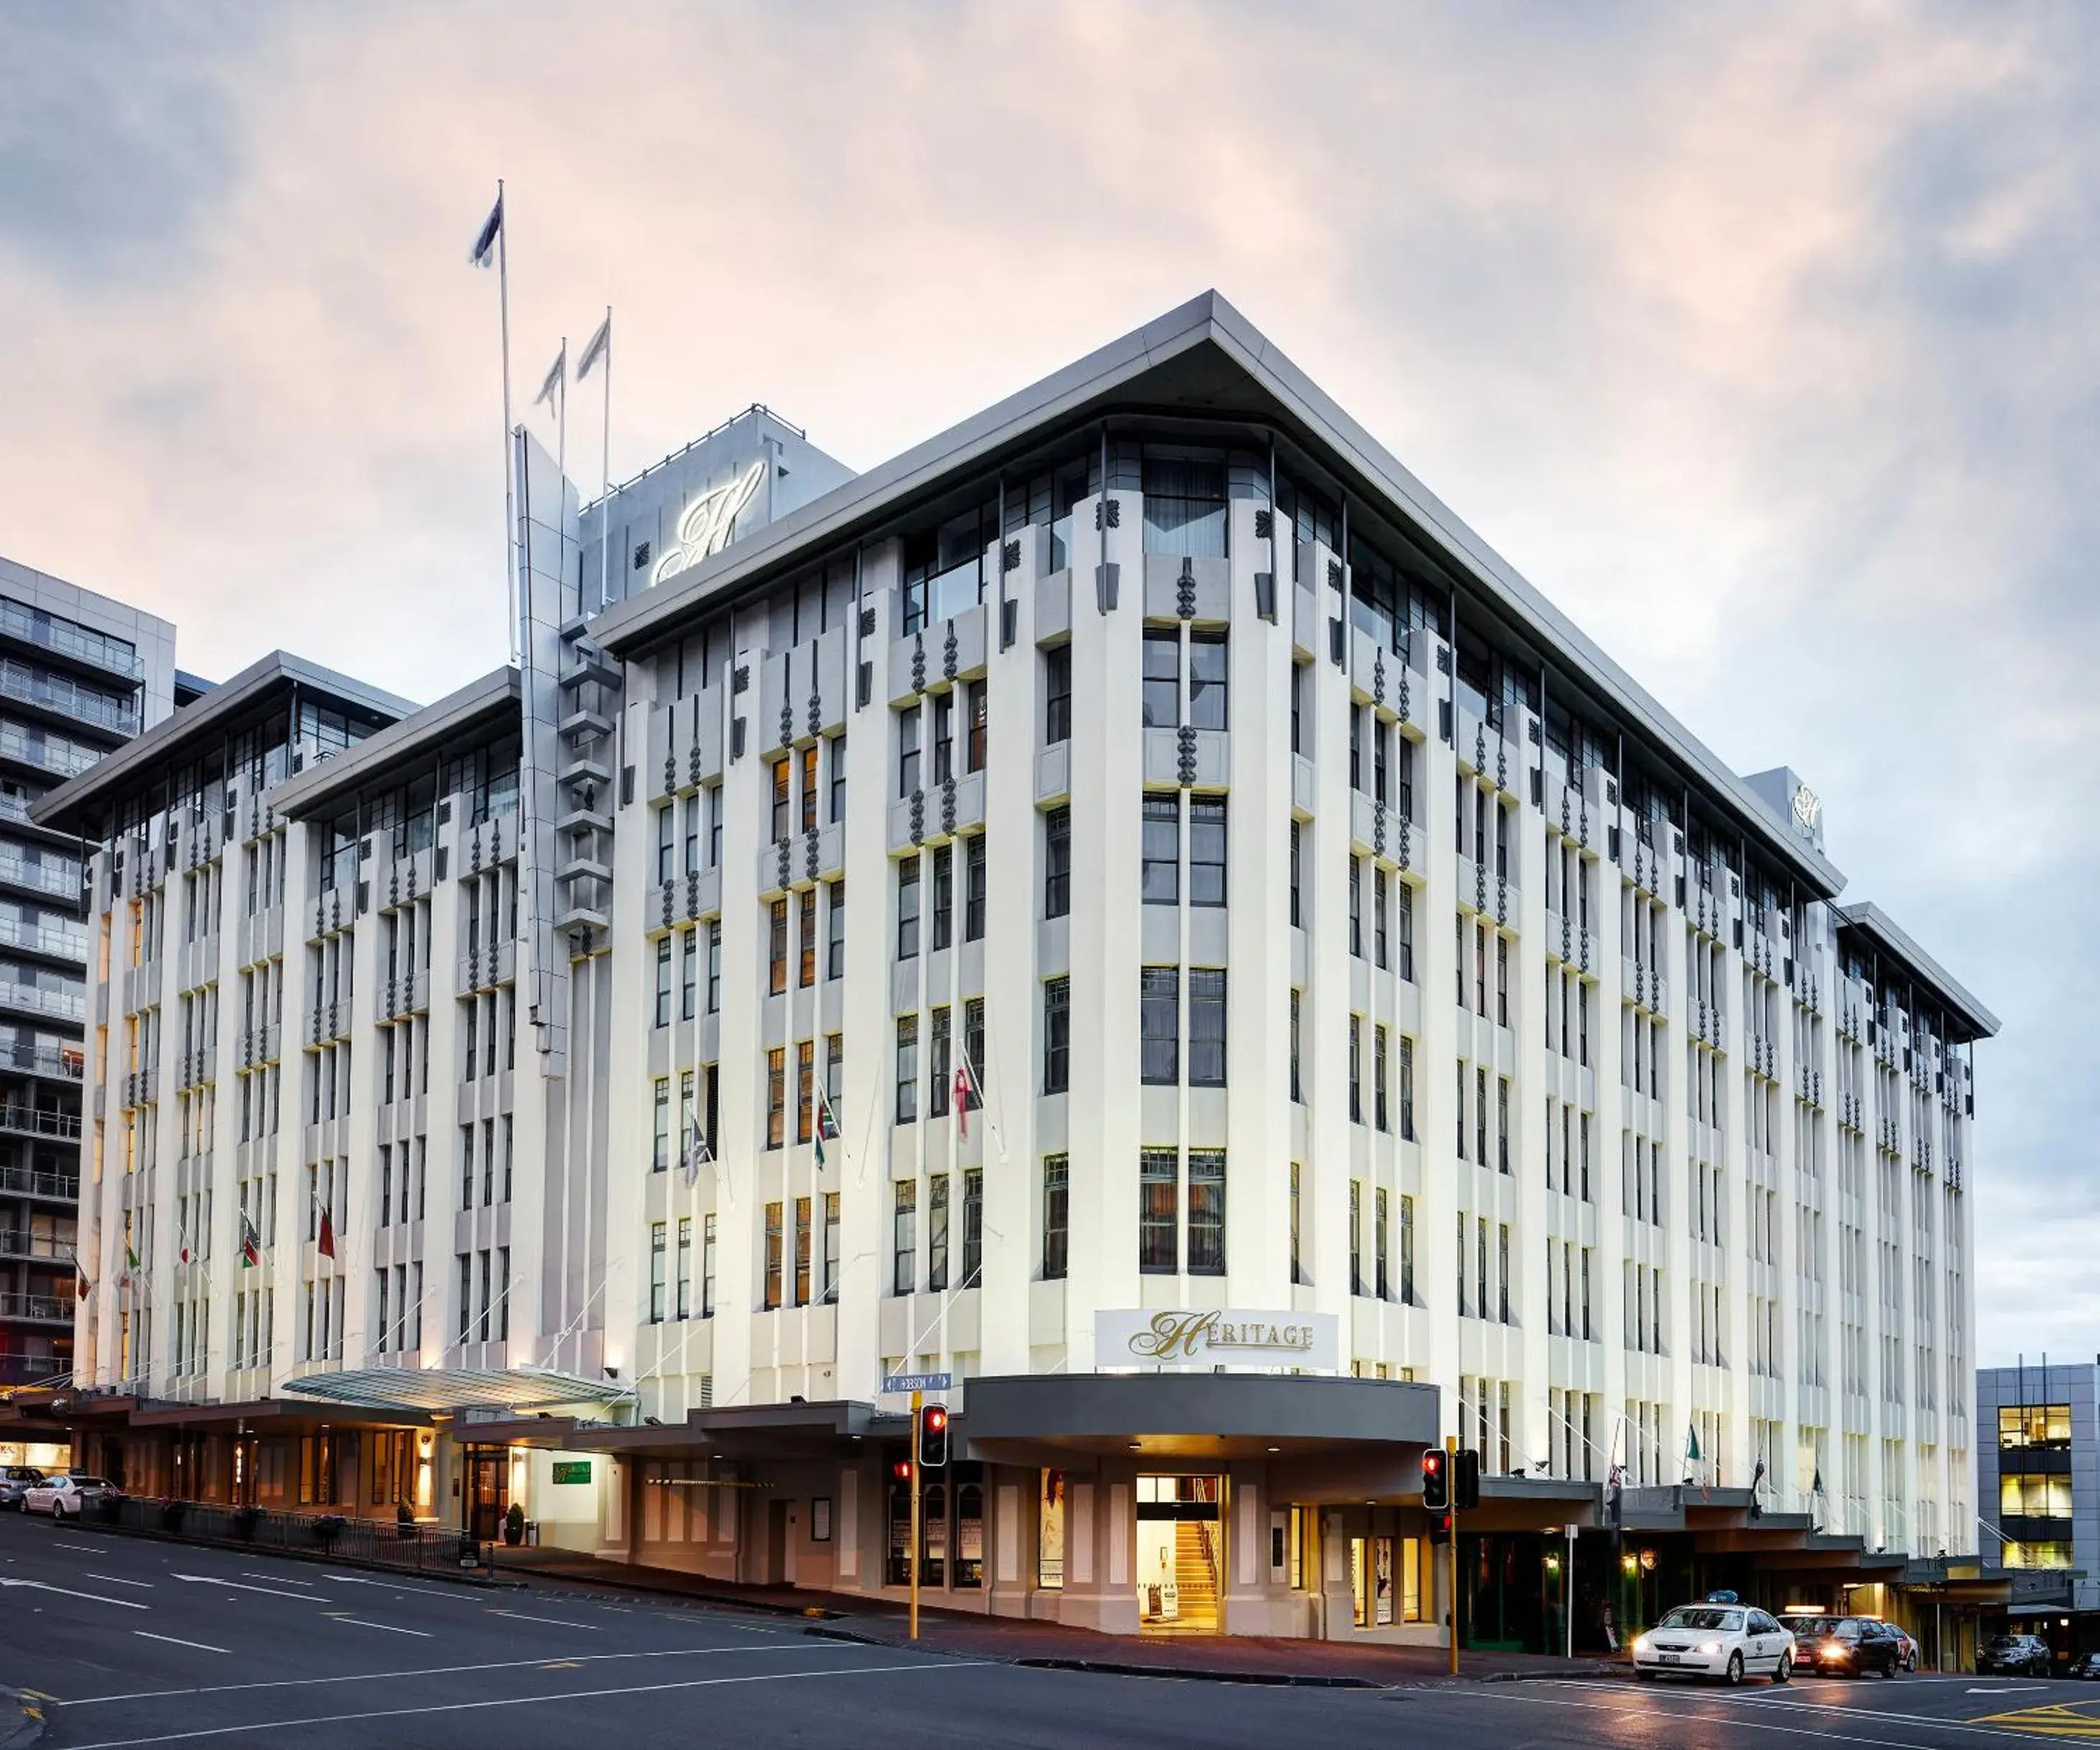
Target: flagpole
x=605, y=481
x=509, y=496
x=561, y=429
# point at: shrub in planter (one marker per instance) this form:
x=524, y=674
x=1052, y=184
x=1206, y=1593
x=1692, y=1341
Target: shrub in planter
x=405, y=1523
x=514, y=1525
x=245, y=1519
x=328, y=1527
x=109, y=1510
x=171, y=1515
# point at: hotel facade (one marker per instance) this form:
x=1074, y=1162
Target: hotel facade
x=1131, y=905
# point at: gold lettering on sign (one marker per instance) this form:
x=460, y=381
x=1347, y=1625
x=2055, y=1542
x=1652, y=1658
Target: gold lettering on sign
x=1178, y=1336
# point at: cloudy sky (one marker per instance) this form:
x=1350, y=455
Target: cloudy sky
x=1763, y=339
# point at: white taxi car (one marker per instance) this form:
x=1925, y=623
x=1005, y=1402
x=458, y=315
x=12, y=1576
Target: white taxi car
x=1726, y=1641
x=68, y=1496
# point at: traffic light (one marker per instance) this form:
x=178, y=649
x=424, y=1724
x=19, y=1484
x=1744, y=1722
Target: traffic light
x=1465, y=1483
x=900, y=1469
x=1435, y=1481
x=934, y=1437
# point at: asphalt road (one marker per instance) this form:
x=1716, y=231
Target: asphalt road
x=131, y=1643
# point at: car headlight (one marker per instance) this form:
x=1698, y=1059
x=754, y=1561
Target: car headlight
x=1838, y=1649
x=1641, y=1646
x=1709, y=1648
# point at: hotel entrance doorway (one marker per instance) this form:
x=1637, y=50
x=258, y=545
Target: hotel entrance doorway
x=1180, y=1554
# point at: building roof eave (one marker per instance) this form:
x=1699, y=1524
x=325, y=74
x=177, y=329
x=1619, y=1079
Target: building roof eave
x=480, y=702
x=1890, y=937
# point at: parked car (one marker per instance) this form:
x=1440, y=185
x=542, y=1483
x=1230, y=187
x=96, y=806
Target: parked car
x=1850, y=1646
x=68, y=1497
x=1728, y=1641
x=1907, y=1643
x=2086, y=1665
x=16, y=1481
x=2015, y=1655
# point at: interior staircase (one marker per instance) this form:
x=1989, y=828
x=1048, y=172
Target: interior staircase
x=1196, y=1578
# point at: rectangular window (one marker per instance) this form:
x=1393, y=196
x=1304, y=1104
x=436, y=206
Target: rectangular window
x=806, y=1088
x=692, y=836
x=1356, y=1069
x=1056, y=1174
x=831, y=1259
x=1297, y=1214
x=1380, y=886
x=660, y=1157
x=973, y=1227
x=773, y=1240
x=1159, y=1211
x=1207, y=669
x=807, y=938
x=809, y=787
x=777, y=947
x=656, y=1272
x=1297, y=872
x=1159, y=1025
x=1056, y=1036
x=663, y=1000
x=907, y=908
x=1057, y=863
x=1206, y=1212
x=776, y=1096
x=975, y=705
x=1159, y=881
x=685, y=1301
x=835, y=925
x=1381, y=1210
x=904, y=1238
x=937, y=1234
x=1356, y=907
x=1207, y=851
x=944, y=737
x=939, y=1081
x=907, y=1068
x=1207, y=1026
x=689, y=971
x=665, y=830
x=838, y=768
x=714, y=966
x=1356, y=1238
x=907, y=753
x=1379, y=1076
x=783, y=777
x=944, y=897
x=707, y=1267
x=974, y=894
x=973, y=1048
x=1503, y=1123
x=1407, y=1251
x=1407, y=1088
x=715, y=827
x=1058, y=695
x=801, y=1251
x=1162, y=678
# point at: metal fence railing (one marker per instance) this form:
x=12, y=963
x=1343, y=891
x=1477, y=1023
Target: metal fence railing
x=414, y=1548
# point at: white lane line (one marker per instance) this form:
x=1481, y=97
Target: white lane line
x=143, y=1585
x=391, y=1585
x=359, y=1622
x=89, y=1548
x=38, y=1585
x=534, y=1701
x=234, y=1585
x=2017, y=1689
x=556, y=1621
x=176, y=1640
x=1637, y=1716
x=249, y=1574
x=448, y=1671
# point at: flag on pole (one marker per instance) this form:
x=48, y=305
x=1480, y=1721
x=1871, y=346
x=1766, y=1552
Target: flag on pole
x=598, y=347
x=962, y=1098
x=1691, y=1443
x=1816, y=1487
x=326, y=1243
x=251, y=1243
x=827, y=1124
x=697, y=1153
x=556, y=382
x=183, y=1252
x=484, y=244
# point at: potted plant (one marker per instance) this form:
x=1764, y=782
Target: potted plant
x=514, y=1525
x=328, y=1527
x=245, y=1519
x=171, y=1515
x=405, y=1523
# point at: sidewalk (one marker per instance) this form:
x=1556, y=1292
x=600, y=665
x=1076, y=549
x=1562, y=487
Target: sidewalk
x=966, y=1634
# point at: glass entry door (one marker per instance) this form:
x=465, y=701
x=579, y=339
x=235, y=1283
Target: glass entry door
x=1180, y=1554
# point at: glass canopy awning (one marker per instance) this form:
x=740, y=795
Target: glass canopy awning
x=455, y=1388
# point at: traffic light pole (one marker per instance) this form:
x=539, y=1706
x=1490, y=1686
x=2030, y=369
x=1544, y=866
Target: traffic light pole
x=918, y=1404
x=1451, y=1471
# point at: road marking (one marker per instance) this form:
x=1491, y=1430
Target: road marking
x=359, y=1622
x=520, y=1616
x=249, y=1574
x=448, y=1671
x=1509, y=1692
x=395, y=1585
x=534, y=1701
x=2015, y=1689
x=558, y=1664
x=174, y=1639
x=2059, y=1719
x=143, y=1585
x=234, y=1585
x=38, y=1585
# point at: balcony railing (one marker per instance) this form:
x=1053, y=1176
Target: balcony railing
x=27, y=1182
x=113, y=654
x=56, y=755
x=54, y=693
x=70, y=1062
x=49, y=1308
x=19, y=1242
x=61, y=879
x=64, y=1005
x=42, y=938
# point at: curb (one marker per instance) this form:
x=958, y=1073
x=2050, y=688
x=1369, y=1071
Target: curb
x=300, y=1555
x=698, y=1601
x=1115, y=1667
x=29, y=1722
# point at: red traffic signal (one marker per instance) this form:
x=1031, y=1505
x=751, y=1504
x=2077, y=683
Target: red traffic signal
x=1435, y=1481
x=934, y=1437
x=900, y=1469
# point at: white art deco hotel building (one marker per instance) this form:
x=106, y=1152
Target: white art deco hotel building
x=1377, y=1019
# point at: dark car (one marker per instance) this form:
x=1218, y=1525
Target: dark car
x=1847, y=1646
x=16, y=1481
x=2086, y=1665
x=2015, y=1655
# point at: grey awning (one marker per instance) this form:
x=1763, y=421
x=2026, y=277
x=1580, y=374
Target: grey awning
x=456, y=1388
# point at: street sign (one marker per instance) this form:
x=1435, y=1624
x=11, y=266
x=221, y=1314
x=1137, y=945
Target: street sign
x=905, y=1382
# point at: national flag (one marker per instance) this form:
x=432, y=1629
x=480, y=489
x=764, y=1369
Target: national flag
x=251, y=1243
x=1816, y=1487
x=598, y=347
x=84, y=1287
x=962, y=1098
x=484, y=244
x=828, y=1125
x=183, y=1253
x=1692, y=1443
x=558, y=375
x=326, y=1244
x=698, y=1154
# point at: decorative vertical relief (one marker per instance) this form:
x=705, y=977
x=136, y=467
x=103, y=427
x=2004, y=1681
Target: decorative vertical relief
x=1502, y=898
x=917, y=816
x=947, y=804
x=1009, y=556
x=1378, y=679
x=1479, y=887
x=1185, y=590
x=692, y=757
x=1378, y=826
x=1404, y=850
x=786, y=724
x=919, y=662
x=1186, y=755
x=950, y=654
x=692, y=894
x=1401, y=700
x=1481, y=748
x=668, y=886
x=816, y=705
x=671, y=770
x=810, y=863
x=783, y=868
x=867, y=622
x=1582, y=826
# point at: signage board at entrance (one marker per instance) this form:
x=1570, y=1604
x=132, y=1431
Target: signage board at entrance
x=572, y=1471
x=1205, y=1337
x=903, y=1383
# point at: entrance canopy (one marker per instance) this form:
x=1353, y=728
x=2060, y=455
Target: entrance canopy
x=441, y=1388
